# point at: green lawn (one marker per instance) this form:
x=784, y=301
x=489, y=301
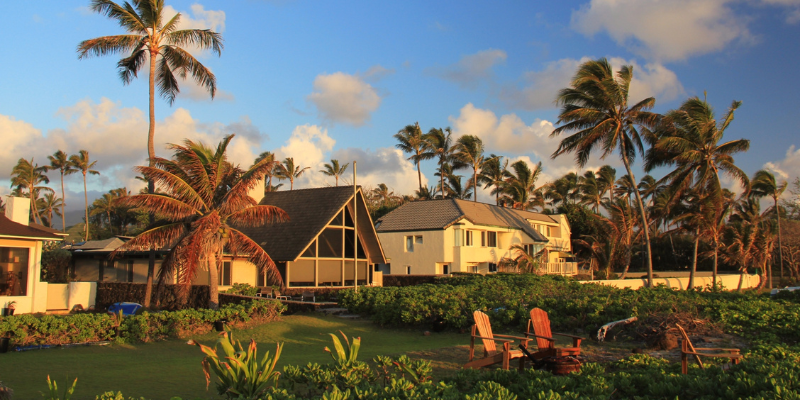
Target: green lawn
x=172, y=368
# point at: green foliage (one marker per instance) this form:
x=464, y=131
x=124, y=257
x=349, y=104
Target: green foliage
x=342, y=356
x=52, y=390
x=243, y=289
x=240, y=373
x=29, y=329
x=55, y=265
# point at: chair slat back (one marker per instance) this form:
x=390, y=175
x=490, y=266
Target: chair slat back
x=484, y=330
x=541, y=326
x=689, y=344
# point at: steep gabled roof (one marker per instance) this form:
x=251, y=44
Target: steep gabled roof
x=11, y=229
x=310, y=210
x=47, y=229
x=440, y=214
x=105, y=245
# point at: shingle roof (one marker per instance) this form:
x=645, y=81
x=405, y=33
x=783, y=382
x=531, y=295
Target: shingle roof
x=109, y=244
x=310, y=210
x=440, y=214
x=9, y=228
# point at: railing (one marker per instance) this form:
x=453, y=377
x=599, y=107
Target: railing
x=566, y=268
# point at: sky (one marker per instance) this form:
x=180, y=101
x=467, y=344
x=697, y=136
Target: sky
x=336, y=80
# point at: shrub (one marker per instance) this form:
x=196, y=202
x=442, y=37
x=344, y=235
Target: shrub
x=242, y=289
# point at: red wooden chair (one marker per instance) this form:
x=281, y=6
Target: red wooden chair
x=687, y=349
x=491, y=354
x=539, y=328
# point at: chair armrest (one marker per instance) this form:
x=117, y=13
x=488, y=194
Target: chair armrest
x=492, y=338
x=716, y=349
x=512, y=337
x=570, y=336
x=720, y=355
x=540, y=337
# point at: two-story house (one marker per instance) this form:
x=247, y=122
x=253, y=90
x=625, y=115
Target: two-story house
x=435, y=237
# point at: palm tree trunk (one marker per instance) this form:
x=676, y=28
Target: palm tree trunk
x=63, y=218
x=645, y=226
x=419, y=176
x=213, y=281
x=780, y=244
x=151, y=186
x=86, y=203
x=694, y=259
x=714, y=272
x=475, y=184
x=741, y=279
x=441, y=177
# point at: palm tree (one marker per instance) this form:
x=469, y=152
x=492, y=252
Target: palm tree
x=689, y=139
x=595, y=108
x=270, y=157
x=384, y=196
x=440, y=143
x=80, y=162
x=149, y=38
x=470, y=152
x=764, y=184
x=205, y=203
x=590, y=190
x=520, y=186
x=333, y=169
x=456, y=190
x=625, y=187
x=425, y=193
x=410, y=140
x=562, y=190
x=28, y=176
x=49, y=205
x=522, y=262
x=287, y=170
x=60, y=161
x=104, y=205
x=606, y=177
x=494, y=174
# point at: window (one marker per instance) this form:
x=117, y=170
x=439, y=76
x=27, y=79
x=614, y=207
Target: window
x=225, y=274
x=445, y=269
x=474, y=269
x=483, y=239
x=261, y=277
x=458, y=240
x=469, y=241
x=13, y=271
x=533, y=249
x=408, y=270
x=492, y=267
x=330, y=243
x=411, y=241
x=491, y=239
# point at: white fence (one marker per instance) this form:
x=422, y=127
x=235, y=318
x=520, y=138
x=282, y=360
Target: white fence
x=565, y=268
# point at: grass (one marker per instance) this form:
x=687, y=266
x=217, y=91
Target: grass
x=172, y=368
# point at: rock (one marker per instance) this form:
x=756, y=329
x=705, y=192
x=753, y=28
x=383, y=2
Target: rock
x=664, y=341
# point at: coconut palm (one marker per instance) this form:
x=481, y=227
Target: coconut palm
x=606, y=177
x=563, y=190
x=425, y=193
x=520, y=186
x=104, y=205
x=60, y=161
x=80, y=162
x=28, y=177
x=455, y=189
x=48, y=205
x=411, y=140
x=440, y=143
x=151, y=40
x=204, y=204
x=384, y=196
x=689, y=139
x=595, y=110
x=270, y=157
x=522, y=261
x=494, y=174
x=624, y=187
x=288, y=171
x=333, y=169
x=470, y=153
x=764, y=184
x=591, y=193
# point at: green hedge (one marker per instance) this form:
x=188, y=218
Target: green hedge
x=29, y=329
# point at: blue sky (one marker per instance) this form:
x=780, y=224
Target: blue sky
x=322, y=80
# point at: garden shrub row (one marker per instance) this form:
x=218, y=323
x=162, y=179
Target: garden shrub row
x=507, y=300
x=29, y=329
x=109, y=293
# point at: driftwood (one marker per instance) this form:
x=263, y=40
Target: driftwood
x=601, y=333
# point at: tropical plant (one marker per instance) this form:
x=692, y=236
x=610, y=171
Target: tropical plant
x=596, y=111
x=81, y=163
x=49, y=205
x=764, y=184
x=60, y=161
x=411, y=140
x=522, y=261
x=384, y=196
x=52, y=390
x=470, y=153
x=28, y=176
x=270, y=157
x=344, y=357
x=606, y=177
x=563, y=190
x=288, y=171
x=520, y=186
x=455, y=189
x=440, y=143
x=688, y=139
x=334, y=169
x=494, y=174
x=590, y=190
x=240, y=373
x=205, y=202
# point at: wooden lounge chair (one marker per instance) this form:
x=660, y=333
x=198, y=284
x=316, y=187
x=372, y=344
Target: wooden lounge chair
x=687, y=348
x=491, y=354
x=539, y=328
x=308, y=296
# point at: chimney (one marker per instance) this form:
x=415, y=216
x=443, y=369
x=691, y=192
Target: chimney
x=18, y=209
x=257, y=192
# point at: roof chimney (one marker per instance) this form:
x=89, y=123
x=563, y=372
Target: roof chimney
x=18, y=209
x=257, y=192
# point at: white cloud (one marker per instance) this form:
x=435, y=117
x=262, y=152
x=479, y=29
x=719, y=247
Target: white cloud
x=787, y=169
x=541, y=87
x=344, y=98
x=664, y=30
x=116, y=137
x=198, y=18
x=308, y=145
x=471, y=69
x=377, y=72
x=384, y=165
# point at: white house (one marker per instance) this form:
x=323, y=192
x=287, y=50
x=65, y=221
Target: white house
x=443, y=236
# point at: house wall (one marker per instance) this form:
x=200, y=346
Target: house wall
x=424, y=257
x=35, y=299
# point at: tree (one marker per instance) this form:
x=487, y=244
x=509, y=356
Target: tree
x=606, y=177
x=590, y=190
x=410, y=140
x=270, y=157
x=440, y=143
x=688, y=139
x=595, y=110
x=520, y=186
x=205, y=202
x=455, y=189
x=50, y=205
x=333, y=169
x=60, y=161
x=104, y=205
x=764, y=184
x=384, y=196
x=562, y=190
x=470, y=153
x=80, y=162
x=494, y=174
x=287, y=170
x=28, y=176
x=523, y=262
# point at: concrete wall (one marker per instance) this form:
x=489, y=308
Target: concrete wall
x=35, y=299
x=57, y=296
x=83, y=293
x=729, y=282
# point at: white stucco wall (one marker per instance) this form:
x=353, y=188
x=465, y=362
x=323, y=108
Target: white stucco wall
x=35, y=299
x=729, y=282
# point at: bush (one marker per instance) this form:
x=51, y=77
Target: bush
x=243, y=289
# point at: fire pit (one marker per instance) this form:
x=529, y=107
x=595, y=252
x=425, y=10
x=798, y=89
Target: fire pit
x=562, y=365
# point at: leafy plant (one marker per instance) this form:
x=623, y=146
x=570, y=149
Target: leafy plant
x=52, y=387
x=344, y=357
x=241, y=374
x=243, y=289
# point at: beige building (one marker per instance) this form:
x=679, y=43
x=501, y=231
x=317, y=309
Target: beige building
x=435, y=237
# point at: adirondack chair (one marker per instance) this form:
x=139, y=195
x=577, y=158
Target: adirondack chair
x=687, y=349
x=491, y=354
x=539, y=328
